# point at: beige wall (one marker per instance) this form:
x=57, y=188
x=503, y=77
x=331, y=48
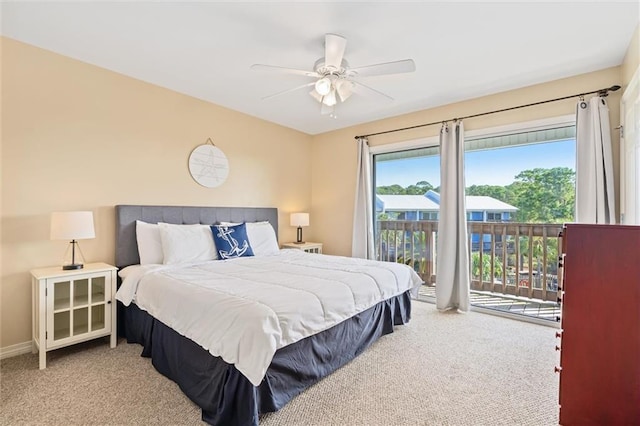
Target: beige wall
x=334, y=154
x=631, y=60
x=75, y=136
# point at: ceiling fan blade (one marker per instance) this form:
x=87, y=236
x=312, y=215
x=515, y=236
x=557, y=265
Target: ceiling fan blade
x=289, y=90
x=283, y=70
x=334, y=46
x=396, y=67
x=363, y=89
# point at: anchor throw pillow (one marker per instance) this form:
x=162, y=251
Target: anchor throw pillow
x=231, y=241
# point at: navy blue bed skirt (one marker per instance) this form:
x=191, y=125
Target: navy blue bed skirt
x=224, y=394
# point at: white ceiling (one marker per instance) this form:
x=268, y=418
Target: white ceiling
x=205, y=49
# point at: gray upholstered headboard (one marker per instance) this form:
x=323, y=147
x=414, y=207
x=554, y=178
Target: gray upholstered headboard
x=126, y=216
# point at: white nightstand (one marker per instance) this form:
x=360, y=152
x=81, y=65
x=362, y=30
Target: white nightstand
x=306, y=246
x=72, y=306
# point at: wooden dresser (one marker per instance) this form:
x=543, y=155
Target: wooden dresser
x=600, y=337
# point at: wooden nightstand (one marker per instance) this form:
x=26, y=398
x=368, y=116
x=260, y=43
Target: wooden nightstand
x=72, y=306
x=306, y=246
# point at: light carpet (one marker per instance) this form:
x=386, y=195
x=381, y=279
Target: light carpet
x=440, y=369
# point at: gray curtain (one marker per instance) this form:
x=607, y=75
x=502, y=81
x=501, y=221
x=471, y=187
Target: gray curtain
x=362, y=240
x=595, y=198
x=452, y=255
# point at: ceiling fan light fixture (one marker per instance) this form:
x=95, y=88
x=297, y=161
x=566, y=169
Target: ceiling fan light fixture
x=323, y=86
x=330, y=98
x=344, y=89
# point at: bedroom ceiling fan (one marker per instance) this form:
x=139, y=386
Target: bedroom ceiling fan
x=333, y=80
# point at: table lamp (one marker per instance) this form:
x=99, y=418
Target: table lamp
x=72, y=226
x=299, y=220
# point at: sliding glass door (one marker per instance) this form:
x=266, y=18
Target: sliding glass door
x=520, y=188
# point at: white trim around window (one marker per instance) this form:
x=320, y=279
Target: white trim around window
x=524, y=126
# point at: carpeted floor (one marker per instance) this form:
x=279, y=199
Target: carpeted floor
x=441, y=369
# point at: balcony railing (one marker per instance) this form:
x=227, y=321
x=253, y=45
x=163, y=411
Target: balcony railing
x=519, y=259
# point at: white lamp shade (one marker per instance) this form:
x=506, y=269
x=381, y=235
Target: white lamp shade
x=299, y=219
x=72, y=226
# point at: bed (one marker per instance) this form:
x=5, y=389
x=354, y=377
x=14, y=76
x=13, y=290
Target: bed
x=239, y=391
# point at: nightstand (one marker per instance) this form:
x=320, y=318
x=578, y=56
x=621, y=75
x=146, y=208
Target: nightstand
x=73, y=306
x=306, y=246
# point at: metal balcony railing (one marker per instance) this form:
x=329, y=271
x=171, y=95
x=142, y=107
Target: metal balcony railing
x=517, y=259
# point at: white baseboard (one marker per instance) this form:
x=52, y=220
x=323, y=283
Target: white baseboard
x=15, y=350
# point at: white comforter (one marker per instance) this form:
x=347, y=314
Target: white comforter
x=243, y=310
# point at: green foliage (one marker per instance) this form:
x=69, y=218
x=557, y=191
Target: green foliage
x=486, y=267
x=388, y=216
x=501, y=193
x=536, y=262
x=391, y=190
x=544, y=195
x=418, y=189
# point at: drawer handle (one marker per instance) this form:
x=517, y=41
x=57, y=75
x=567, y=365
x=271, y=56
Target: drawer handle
x=557, y=369
x=558, y=334
x=557, y=348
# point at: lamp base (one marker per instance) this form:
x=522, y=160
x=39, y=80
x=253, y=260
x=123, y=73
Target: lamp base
x=72, y=266
x=73, y=262
x=298, y=242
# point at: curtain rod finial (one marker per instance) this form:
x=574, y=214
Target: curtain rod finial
x=605, y=92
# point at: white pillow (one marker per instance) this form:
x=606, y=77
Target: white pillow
x=186, y=243
x=262, y=237
x=149, y=243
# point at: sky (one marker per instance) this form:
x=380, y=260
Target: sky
x=487, y=167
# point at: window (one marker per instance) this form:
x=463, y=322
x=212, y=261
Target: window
x=494, y=217
x=408, y=216
x=511, y=175
x=475, y=216
x=528, y=176
x=523, y=176
x=428, y=215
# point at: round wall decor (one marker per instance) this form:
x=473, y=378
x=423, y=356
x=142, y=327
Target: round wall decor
x=208, y=165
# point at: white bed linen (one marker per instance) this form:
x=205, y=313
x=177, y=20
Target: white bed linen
x=244, y=309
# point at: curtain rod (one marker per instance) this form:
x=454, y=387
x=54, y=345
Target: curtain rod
x=600, y=92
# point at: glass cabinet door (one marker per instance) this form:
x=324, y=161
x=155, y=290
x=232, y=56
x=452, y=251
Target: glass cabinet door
x=98, y=300
x=78, y=307
x=61, y=304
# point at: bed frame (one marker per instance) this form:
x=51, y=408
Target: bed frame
x=126, y=216
x=224, y=394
